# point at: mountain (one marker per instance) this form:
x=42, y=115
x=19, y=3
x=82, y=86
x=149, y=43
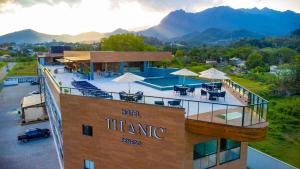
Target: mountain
x=117, y=31
x=215, y=36
x=261, y=21
x=31, y=36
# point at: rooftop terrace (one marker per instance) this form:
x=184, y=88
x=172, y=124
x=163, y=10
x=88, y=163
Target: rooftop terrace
x=239, y=108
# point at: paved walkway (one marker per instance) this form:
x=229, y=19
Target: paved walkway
x=260, y=160
x=3, y=71
x=36, y=154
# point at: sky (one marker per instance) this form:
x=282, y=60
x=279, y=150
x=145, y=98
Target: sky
x=77, y=16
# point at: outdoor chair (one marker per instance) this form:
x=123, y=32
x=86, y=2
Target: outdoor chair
x=176, y=89
x=191, y=90
x=122, y=95
x=174, y=103
x=218, y=86
x=139, y=95
x=203, y=93
x=222, y=94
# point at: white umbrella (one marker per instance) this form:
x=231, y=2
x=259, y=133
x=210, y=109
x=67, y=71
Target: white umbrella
x=213, y=73
x=128, y=77
x=184, y=72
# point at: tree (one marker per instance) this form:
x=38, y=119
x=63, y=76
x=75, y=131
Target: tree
x=286, y=54
x=125, y=42
x=254, y=60
x=179, y=53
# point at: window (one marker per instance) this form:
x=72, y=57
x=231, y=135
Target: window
x=87, y=130
x=88, y=164
x=230, y=150
x=205, y=154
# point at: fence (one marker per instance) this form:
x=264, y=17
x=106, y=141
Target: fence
x=22, y=79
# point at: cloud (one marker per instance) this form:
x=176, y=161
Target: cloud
x=28, y=3
x=167, y=5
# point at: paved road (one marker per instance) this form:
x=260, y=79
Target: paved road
x=259, y=160
x=37, y=154
x=3, y=71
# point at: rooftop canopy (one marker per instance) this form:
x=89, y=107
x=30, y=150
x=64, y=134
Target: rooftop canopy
x=32, y=100
x=110, y=56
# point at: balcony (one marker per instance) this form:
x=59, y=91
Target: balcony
x=241, y=115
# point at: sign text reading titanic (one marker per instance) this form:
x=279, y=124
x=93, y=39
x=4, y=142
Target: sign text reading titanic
x=135, y=128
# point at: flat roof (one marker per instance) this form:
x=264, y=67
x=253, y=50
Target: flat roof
x=32, y=100
x=112, y=56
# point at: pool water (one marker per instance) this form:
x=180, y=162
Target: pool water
x=167, y=83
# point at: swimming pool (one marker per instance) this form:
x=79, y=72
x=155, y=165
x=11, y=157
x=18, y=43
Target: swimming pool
x=167, y=83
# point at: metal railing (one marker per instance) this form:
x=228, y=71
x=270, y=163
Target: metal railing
x=215, y=112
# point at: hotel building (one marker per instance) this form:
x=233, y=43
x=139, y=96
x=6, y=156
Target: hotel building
x=93, y=126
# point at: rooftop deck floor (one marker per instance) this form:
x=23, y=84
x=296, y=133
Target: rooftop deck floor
x=196, y=108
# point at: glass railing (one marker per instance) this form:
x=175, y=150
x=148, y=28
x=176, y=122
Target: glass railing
x=215, y=112
x=245, y=93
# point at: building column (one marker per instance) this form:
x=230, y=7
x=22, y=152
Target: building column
x=121, y=68
x=146, y=65
x=91, y=71
x=80, y=68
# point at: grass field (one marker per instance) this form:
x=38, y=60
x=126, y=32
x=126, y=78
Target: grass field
x=2, y=64
x=23, y=69
x=283, y=139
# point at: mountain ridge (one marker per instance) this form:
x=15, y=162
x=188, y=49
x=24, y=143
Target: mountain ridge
x=264, y=21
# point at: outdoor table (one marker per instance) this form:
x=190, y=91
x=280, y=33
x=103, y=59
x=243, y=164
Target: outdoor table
x=182, y=90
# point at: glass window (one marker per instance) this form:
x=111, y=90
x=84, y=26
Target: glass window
x=87, y=130
x=88, y=164
x=205, y=154
x=230, y=150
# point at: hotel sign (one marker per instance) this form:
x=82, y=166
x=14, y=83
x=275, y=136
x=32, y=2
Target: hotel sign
x=145, y=130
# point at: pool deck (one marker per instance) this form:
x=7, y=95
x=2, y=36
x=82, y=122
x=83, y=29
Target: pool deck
x=198, y=108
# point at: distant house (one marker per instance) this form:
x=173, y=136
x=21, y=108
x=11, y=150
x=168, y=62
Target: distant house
x=32, y=108
x=5, y=58
x=273, y=69
x=213, y=62
x=235, y=61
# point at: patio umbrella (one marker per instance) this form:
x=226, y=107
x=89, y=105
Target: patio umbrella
x=213, y=73
x=184, y=72
x=128, y=77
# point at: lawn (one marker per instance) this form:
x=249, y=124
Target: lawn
x=283, y=139
x=23, y=69
x=259, y=88
x=2, y=64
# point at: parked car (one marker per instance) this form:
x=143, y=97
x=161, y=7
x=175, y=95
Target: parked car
x=34, y=83
x=34, y=92
x=34, y=134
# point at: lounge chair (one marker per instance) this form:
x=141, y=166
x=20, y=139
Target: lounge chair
x=174, y=103
x=161, y=103
x=203, y=93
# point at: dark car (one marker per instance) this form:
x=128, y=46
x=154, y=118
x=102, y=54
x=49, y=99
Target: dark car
x=33, y=134
x=34, y=83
